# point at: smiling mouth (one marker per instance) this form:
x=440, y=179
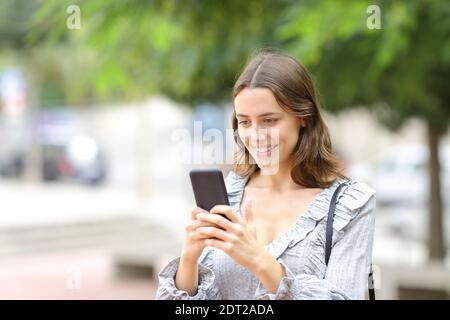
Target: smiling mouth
x=264, y=151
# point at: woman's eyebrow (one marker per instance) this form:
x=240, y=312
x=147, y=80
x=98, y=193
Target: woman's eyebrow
x=259, y=116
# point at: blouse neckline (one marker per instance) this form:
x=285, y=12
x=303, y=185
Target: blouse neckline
x=305, y=223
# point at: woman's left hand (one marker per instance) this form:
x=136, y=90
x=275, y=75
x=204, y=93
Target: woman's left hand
x=236, y=237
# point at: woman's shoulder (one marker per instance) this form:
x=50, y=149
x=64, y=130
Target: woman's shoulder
x=355, y=193
x=355, y=199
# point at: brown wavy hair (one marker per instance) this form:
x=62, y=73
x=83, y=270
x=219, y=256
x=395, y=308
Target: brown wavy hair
x=315, y=165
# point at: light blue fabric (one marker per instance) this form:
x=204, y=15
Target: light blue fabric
x=300, y=250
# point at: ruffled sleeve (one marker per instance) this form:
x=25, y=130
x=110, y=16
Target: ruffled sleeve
x=207, y=287
x=349, y=264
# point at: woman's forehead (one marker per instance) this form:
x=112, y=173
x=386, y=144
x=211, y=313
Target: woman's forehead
x=256, y=102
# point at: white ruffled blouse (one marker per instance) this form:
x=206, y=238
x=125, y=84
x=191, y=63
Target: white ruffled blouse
x=300, y=250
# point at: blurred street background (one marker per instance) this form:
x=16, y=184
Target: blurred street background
x=100, y=103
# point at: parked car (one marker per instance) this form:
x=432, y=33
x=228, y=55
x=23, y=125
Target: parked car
x=12, y=165
x=66, y=152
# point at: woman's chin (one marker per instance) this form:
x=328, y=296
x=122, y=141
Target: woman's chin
x=266, y=163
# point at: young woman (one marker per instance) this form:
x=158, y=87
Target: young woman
x=273, y=246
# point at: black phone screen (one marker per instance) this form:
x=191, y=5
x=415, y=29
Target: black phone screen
x=209, y=188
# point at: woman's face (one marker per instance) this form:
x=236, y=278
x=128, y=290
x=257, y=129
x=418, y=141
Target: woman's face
x=268, y=132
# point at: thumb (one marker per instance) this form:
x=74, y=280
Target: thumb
x=248, y=212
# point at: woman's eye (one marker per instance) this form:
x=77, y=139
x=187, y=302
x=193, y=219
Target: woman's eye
x=243, y=122
x=270, y=120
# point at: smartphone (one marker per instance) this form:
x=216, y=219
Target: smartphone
x=209, y=188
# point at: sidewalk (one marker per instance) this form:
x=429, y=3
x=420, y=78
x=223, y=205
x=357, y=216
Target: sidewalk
x=83, y=274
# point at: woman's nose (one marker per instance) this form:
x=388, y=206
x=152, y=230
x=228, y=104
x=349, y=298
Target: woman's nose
x=258, y=136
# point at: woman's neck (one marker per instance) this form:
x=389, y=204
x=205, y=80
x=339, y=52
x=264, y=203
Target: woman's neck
x=279, y=180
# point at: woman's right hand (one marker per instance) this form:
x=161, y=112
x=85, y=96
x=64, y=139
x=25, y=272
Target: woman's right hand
x=194, y=242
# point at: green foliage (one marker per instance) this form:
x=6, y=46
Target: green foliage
x=189, y=50
x=400, y=70
x=193, y=50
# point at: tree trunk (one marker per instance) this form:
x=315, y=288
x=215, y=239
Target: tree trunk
x=436, y=245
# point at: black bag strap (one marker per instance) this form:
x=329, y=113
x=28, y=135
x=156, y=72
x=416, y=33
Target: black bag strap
x=329, y=237
x=371, y=287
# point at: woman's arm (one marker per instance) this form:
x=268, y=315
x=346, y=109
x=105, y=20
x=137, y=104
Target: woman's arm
x=195, y=282
x=186, y=277
x=183, y=277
